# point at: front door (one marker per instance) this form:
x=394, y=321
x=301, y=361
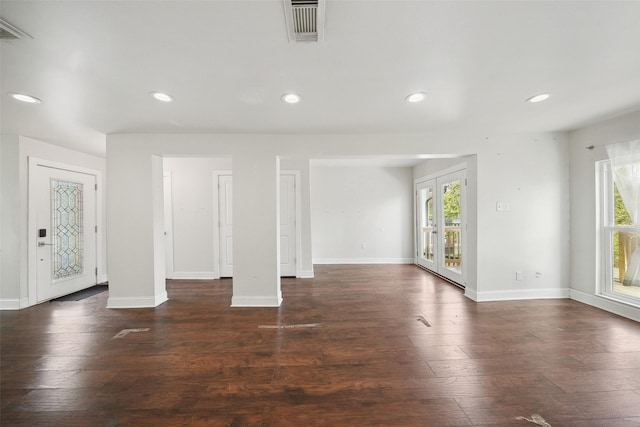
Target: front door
x=63, y=207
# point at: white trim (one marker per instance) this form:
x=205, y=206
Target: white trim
x=604, y=303
x=137, y=302
x=102, y=278
x=471, y=294
x=256, y=301
x=363, y=260
x=194, y=275
x=522, y=294
x=456, y=168
x=10, y=304
x=306, y=274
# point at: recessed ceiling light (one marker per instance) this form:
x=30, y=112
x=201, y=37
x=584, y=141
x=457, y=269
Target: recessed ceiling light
x=161, y=96
x=291, y=98
x=416, y=97
x=539, y=98
x=25, y=98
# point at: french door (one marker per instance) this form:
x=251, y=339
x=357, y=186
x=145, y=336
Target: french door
x=63, y=229
x=441, y=225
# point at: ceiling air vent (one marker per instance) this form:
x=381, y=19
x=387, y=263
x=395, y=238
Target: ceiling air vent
x=305, y=20
x=9, y=32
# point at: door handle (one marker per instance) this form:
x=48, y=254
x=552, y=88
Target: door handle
x=41, y=244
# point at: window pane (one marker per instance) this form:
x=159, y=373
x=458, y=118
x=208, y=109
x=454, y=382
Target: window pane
x=452, y=236
x=624, y=244
x=621, y=213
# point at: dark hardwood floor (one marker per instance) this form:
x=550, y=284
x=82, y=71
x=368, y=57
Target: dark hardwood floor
x=356, y=346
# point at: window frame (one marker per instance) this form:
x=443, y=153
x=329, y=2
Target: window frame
x=605, y=208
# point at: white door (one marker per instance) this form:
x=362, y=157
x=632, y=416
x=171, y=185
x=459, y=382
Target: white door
x=64, y=209
x=441, y=225
x=225, y=212
x=168, y=226
x=288, y=225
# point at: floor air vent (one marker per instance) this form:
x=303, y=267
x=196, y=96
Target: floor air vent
x=305, y=20
x=9, y=32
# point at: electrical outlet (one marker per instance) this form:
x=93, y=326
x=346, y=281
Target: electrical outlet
x=503, y=206
x=518, y=275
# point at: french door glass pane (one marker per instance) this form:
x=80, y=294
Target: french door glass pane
x=428, y=224
x=67, y=225
x=452, y=221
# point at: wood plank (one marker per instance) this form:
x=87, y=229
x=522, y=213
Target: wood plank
x=368, y=360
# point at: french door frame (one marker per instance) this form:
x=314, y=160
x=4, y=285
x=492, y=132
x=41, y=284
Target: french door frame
x=436, y=181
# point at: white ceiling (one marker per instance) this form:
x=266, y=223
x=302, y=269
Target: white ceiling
x=93, y=63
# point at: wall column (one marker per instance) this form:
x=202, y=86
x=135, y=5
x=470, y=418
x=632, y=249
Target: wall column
x=256, y=223
x=134, y=228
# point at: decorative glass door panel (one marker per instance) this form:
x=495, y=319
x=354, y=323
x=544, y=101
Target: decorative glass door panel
x=67, y=229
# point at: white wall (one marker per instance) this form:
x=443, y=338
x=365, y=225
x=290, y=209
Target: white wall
x=362, y=214
x=583, y=205
x=10, y=223
x=533, y=236
x=15, y=153
x=530, y=171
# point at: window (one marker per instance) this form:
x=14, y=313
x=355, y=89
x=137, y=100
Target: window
x=619, y=182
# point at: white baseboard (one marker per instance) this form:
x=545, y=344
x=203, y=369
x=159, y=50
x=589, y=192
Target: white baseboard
x=256, y=301
x=195, y=275
x=603, y=303
x=137, y=302
x=471, y=294
x=10, y=304
x=363, y=260
x=306, y=274
x=520, y=294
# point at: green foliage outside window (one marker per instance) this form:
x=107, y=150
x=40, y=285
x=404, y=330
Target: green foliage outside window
x=452, y=201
